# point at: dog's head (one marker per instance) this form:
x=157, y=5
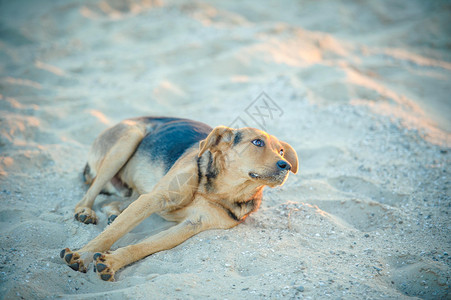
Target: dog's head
x=251, y=154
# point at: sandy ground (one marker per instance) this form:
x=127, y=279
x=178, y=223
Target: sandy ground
x=361, y=89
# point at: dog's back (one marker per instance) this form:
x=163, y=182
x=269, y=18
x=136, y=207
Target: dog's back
x=170, y=138
x=165, y=141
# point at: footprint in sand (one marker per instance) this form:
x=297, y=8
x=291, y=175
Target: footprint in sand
x=361, y=215
x=360, y=187
x=369, y=212
x=415, y=277
x=350, y=200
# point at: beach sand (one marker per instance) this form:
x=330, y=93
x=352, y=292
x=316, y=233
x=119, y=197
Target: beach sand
x=361, y=90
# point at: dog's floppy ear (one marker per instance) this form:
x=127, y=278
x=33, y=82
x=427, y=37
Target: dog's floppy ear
x=290, y=154
x=216, y=140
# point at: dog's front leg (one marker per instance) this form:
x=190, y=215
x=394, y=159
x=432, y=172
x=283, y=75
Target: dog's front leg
x=134, y=214
x=198, y=219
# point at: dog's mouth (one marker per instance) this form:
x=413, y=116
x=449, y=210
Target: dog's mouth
x=271, y=180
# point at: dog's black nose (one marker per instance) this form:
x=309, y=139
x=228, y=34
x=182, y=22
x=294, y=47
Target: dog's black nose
x=283, y=165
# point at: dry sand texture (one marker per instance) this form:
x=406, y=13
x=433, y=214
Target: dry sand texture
x=361, y=89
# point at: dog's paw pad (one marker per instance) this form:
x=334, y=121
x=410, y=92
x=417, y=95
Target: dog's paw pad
x=72, y=259
x=106, y=277
x=85, y=215
x=103, y=269
x=68, y=257
x=75, y=266
x=97, y=255
x=111, y=219
x=100, y=267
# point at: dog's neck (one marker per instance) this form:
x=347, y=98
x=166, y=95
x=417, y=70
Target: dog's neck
x=238, y=197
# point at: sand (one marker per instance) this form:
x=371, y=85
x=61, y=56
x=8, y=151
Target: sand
x=361, y=90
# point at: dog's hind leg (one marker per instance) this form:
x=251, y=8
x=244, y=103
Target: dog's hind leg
x=113, y=160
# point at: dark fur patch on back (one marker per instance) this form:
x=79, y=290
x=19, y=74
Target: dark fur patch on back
x=172, y=137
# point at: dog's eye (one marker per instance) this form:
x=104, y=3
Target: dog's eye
x=281, y=152
x=258, y=143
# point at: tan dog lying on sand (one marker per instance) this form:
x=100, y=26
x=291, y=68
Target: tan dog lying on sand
x=183, y=170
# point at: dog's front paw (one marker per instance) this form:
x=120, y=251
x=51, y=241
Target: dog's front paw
x=85, y=215
x=104, y=267
x=73, y=260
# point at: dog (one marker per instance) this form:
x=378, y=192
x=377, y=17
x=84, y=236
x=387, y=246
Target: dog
x=183, y=170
